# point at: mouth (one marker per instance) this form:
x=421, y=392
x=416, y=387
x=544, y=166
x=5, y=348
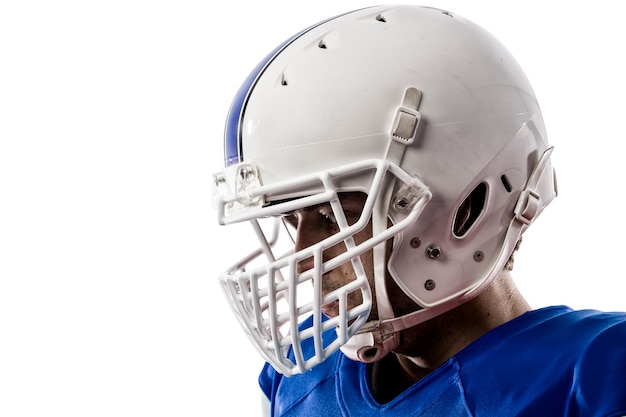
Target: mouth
x=331, y=309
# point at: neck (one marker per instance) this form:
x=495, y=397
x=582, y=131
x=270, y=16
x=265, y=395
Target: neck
x=426, y=346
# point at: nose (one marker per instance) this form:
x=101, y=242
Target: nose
x=307, y=234
x=304, y=265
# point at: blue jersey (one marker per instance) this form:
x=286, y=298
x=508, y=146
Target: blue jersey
x=549, y=362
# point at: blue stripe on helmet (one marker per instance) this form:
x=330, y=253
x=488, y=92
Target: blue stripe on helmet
x=232, y=132
x=233, y=153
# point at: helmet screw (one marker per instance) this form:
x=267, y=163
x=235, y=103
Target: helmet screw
x=429, y=284
x=433, y=251
x=402, y=203
x=478, y=256
x=415, y=242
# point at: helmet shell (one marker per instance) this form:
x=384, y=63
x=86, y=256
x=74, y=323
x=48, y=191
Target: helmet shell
x=327, y=96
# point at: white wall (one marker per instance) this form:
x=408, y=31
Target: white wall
x=111, y=117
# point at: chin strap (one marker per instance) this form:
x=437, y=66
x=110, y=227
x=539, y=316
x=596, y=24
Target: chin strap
x=371, y=346
x=378, y=338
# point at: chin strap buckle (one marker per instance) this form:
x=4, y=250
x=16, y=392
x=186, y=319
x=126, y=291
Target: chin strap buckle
x=528, y=206
x=541, y=181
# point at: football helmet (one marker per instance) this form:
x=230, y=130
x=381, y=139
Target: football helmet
x=427, y=114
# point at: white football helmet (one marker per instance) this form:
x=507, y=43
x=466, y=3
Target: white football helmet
x=421, y=110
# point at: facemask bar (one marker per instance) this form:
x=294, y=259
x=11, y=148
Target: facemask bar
x=272, y=301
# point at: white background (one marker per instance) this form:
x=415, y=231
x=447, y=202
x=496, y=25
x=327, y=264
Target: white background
x=111, y=117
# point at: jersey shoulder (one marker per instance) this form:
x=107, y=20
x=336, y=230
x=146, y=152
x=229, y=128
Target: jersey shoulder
x=552, y=361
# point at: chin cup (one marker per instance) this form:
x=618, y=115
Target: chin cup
x=371, y=345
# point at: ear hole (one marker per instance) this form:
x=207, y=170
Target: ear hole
x=470, y=210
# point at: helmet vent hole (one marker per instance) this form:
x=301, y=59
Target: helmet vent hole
x=283, y=80
x=381, y=18
x=470, y=210
x=322, y=44
x=506, y=183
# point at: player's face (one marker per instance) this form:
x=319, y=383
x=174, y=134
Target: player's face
x=315, y=223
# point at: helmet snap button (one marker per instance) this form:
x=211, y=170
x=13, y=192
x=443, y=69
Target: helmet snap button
x=433, y=251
